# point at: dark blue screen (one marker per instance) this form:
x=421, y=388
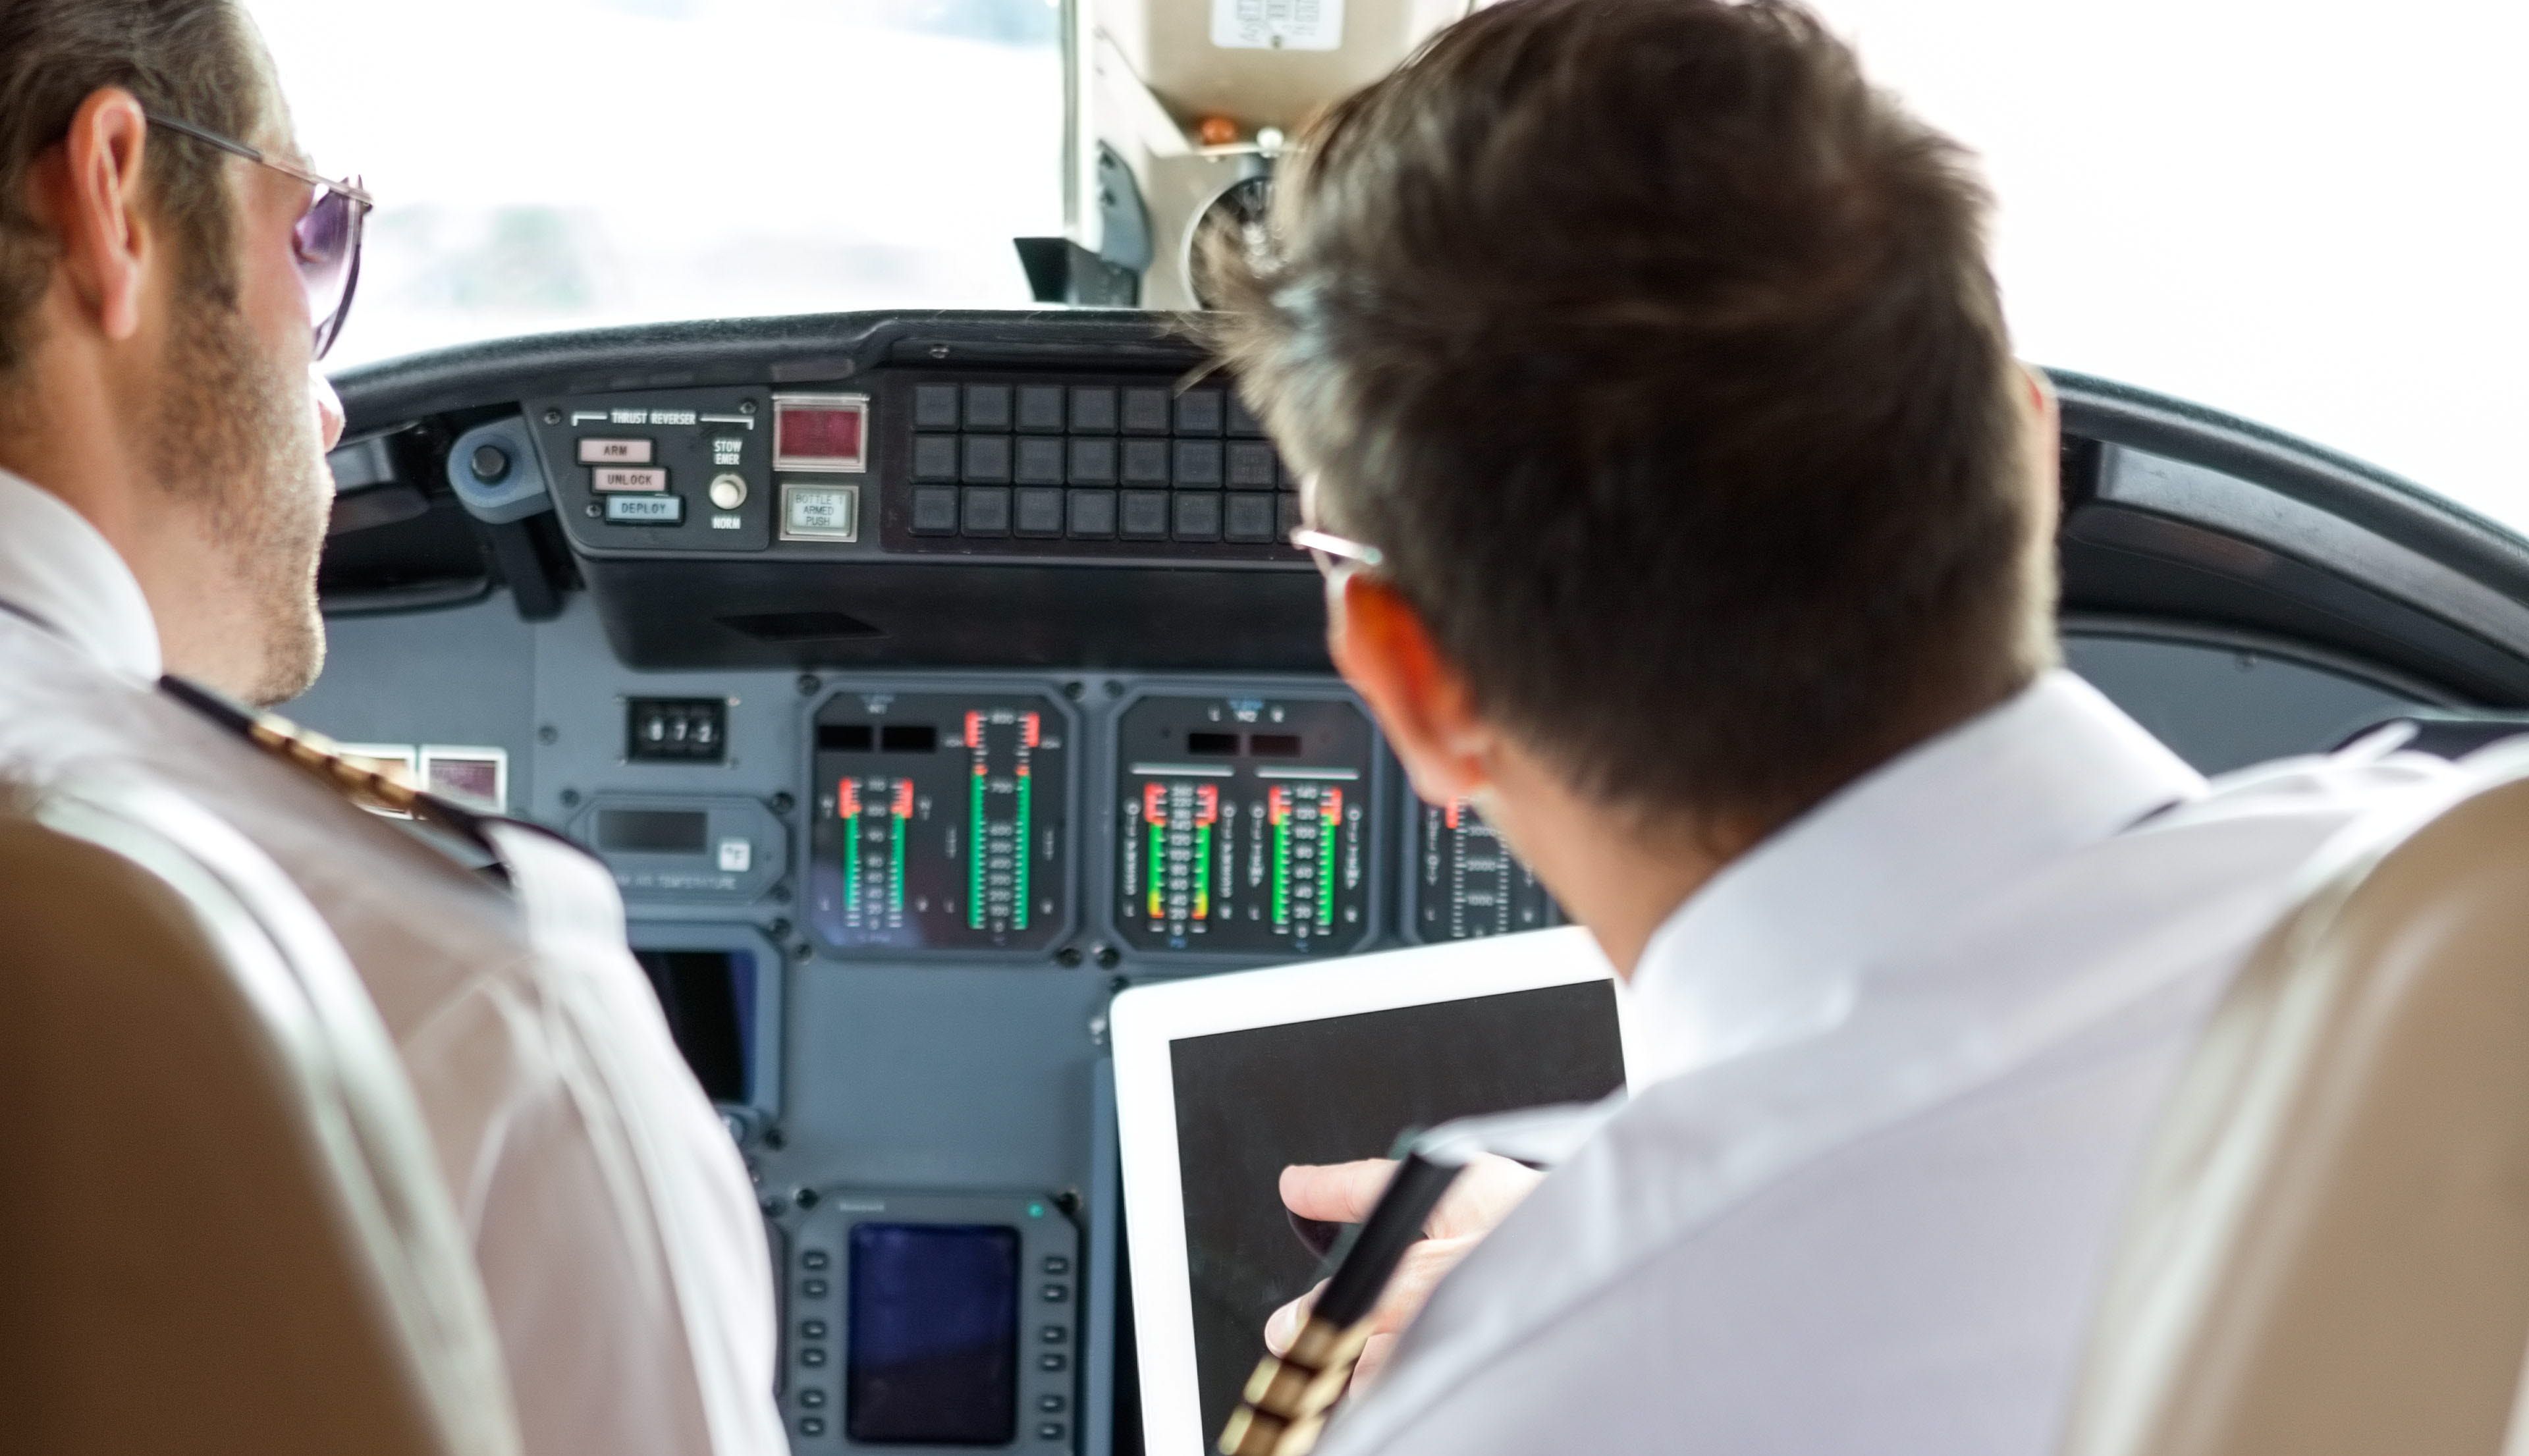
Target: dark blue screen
x=933, y=1357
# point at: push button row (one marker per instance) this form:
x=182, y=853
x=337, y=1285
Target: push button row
x=1083, y=409
x=1046, y=513
x=810, y=1350
x=1025, y=459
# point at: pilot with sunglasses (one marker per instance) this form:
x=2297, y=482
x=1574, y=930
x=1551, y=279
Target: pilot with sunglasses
x=169, y=273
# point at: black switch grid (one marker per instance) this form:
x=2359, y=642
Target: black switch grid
x=1144, y=468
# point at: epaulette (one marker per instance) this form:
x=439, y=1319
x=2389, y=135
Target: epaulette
x=323, y=758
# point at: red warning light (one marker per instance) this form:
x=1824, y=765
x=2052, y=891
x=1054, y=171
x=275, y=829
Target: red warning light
x=820, y=432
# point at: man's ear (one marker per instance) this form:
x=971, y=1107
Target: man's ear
x=1382, y=649
x=2042, y=438
x=88, y=190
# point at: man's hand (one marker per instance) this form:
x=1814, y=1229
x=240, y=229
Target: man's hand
x=1344, y=1192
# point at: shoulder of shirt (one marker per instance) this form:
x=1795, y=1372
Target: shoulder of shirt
x=1667, y=1166
x=2353, y=781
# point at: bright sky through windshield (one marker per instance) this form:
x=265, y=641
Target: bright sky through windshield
x=2313, y=213
x=2309, y=212
x=545, y=164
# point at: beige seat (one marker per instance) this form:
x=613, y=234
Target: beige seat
x=221, y=1227
x=2330, y=1250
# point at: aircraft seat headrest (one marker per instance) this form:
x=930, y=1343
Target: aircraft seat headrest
x=221, y=1225
x=2328, y=1249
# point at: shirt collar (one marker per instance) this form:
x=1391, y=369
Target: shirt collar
x=60, y=570
x=1777, y=945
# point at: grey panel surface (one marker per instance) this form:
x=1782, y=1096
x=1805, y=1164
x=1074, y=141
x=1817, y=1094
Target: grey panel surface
x=2222, y=707
x=940, y=1071
x=933, y=1070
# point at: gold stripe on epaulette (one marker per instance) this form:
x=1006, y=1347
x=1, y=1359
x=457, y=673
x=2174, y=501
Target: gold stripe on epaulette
x=322, y=756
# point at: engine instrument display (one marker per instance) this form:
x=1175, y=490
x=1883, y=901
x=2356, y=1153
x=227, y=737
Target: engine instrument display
x=1466, y=880
x=939, y=822
x=1242, y=825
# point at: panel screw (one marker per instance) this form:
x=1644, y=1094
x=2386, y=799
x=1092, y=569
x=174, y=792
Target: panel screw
x=805, y=1198
x=783, y=803
x=548, y=734
x=1068, y=955
x=553, y=416
x=801, y=951
x=777, y=929
x=1107, y=956
x=570, y=798
x=780, y=894
x=1114, y=690
x=746, y=406
x=808, y=684
x=1072, y=692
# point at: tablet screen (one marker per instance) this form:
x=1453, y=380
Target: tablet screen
x=1336, y=1088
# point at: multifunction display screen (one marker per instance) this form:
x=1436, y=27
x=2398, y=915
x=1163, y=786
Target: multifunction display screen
x=934, y=1349
x=939, y=822
x=1243, y=825
x=1467, y=882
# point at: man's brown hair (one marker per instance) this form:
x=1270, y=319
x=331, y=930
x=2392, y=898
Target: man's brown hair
x=1658, y=353
x=192, y=60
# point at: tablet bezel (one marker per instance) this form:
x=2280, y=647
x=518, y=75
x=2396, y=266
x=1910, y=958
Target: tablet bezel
x=1146, y=1020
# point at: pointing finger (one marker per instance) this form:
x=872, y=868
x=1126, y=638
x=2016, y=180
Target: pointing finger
x=1335, y=1192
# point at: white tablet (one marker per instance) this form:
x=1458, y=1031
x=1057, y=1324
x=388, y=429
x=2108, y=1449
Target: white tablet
x=1222, y=1081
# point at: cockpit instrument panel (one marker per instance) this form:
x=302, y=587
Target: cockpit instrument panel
x=925, y=677
x=940, y=822
x=1464, y=881
x=1243, y=825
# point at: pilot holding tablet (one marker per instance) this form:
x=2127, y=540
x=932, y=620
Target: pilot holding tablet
x=1680, y=503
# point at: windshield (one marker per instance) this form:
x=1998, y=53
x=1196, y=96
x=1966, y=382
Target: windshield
x=2310, y=215
x=547, y=164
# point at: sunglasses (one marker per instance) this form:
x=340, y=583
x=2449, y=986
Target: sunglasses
x=327, y=238
x=1333, y=553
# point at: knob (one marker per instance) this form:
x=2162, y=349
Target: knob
x=490, y=463
x=728, y=491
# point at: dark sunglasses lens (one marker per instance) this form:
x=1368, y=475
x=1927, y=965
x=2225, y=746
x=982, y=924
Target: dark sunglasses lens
x=328, y=241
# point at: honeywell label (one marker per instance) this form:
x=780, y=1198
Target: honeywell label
x=1277, y=25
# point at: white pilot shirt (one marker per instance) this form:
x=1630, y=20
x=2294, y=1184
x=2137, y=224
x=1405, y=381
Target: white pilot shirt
x=674, y=1196
x=1902, y=1062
